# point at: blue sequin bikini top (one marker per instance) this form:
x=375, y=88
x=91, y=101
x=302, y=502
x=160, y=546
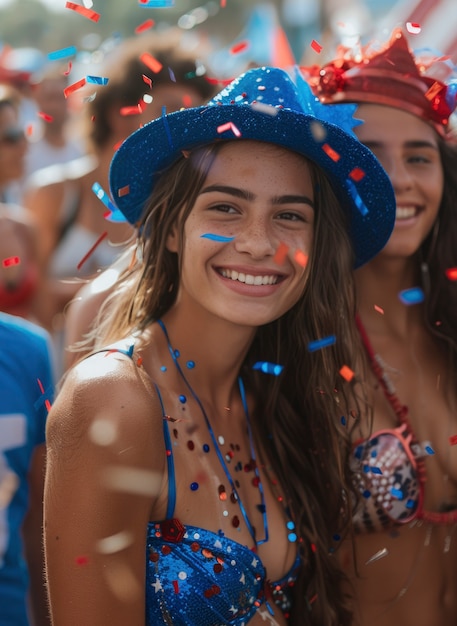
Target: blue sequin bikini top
x=195, y=577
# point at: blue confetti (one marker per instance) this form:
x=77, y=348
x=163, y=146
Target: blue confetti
x=217, y=237
x=62, y=53
x=156, y=4
x=321, y=343
x=411, y=296
x=115, y=215
x=268, y=368
x=429, y=450
x=97, y=80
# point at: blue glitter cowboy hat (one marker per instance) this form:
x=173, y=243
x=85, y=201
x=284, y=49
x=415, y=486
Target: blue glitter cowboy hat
x=265, y=104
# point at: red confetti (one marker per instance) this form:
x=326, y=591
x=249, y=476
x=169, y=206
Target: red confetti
x=281, y=253
x=144, y=26
x=45, y=116
x=68, y=70
x=316, y=46
x=413, y=27
x=132, y=110
x=378, y=309
x=40, y=385
x=81, y=560
x=356, y=174
x=154, y=65
x=91, y=15
x=176, y=586
x=123, y=191
x=433, y=91
x=74, y=87
x=29, y=130
x=223, y=4
x=11, y=260
x=187, y=101
x=229, y=126
x=218, y=81
x=451, y=273
x=118, y=145
x=330, y=152
x=239, y=47
x=301, y=258
x=347, y=373
x=87, y=255
x=453, y=440
x=147, y=80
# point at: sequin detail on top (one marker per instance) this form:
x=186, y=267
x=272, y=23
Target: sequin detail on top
x=195, y=577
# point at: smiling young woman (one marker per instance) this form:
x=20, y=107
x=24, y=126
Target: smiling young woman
x=218, y=491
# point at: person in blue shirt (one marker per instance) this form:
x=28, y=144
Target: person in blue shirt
x=26, y=391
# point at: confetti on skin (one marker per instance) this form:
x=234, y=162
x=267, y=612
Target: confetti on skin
x=10, y=261
x=330, y=152
x=82, y=560
x=356, y=174
x=146, y=25
x=239, y=47
x=268, y=368
x=281, y=253
x=413, y=28
x=347, y=373
x=377, y=555
x=451, y=273
x=318, y=344
x=316, y=46
x=301, y=258
x=214, y=237
x=97, y=80
x=77, y=8
x=415, y=295
x=89, y=252
x=378, y=309
x=132, y=480
x=229, y=126
x=45, y=117
x=74, y=87
x=114, y=543
x=150, y=62
x=63, y=53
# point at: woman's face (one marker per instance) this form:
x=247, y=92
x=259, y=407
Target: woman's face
x=13, y=146
x=407, y=148
x=256, y=196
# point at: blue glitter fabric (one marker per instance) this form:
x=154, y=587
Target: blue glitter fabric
x=195, y=577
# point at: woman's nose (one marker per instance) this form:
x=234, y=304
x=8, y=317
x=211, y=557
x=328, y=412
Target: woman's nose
x=256, y=239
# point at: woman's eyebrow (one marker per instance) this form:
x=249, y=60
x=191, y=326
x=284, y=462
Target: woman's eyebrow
x=248, y=195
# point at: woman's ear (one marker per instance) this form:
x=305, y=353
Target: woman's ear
x=172, y=240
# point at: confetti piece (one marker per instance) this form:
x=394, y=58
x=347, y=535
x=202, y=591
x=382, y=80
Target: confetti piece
x=377, y=555
x=218, y=81
x=187, y=101
x=114, y=543
x=347, y=373
x=433, y=91
x=154, y=65
x=89, y=252
x=229, y=126
x=103, y=196
x=130, y=110
x=97, y=80
x=62, y=53
x=214, y=237
x=102, y=432
x=378, y=309
x=74, y=87
x=451, y=273
x=397, y=493
x=10, y=261
x=356, y=174
x=146, y=25
x=132, y=480
x=82, y=560
x=316, y=46
x=171, y=74
x=268, y=368
x=268, y=109
x=45, y=116
x=453, y=440
x=223, y=4
x=68, y=70
x=330, y=152
x=415, y=295
x=413, y=28
x=318, y=344
x=301, y=258
x=147, y=80
x=158, y=4
x=281, y=253
x=239, y=47
x=123, y=191
x=77, y=8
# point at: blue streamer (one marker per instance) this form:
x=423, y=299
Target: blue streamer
x=62, y=53
x=268, y=368
x=97, y=80
x=116, y=215
x=214, y=237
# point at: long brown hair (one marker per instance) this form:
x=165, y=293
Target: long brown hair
x=298, y=416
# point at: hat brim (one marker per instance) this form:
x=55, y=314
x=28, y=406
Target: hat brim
x=367, y=197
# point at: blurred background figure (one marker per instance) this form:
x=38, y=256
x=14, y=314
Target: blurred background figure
x=26, y=388
x=13, y=144
x=145, y=75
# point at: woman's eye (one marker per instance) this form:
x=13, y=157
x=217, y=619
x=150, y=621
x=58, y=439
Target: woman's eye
x=292, y=216
x=223, y=208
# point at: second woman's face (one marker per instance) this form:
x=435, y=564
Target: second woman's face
x=256, y=197
x=407, y=148
x=13, y=146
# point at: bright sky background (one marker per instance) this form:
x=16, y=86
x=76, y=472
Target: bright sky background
x=55, y=5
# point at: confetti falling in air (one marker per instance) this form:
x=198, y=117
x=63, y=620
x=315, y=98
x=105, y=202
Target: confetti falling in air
x=268, y=368
x=413, y=28
x=45, y=117
x=433, y=91
x=77, y=8
x=114, y=543
x=74, y=87
x=318, y=344
x=330, y=152
x=10, y=261
x=102, y=432
x=347, y=373
x=153, y=64
x=415, y=295
x=97, y=80
x=63, y=53
x=157, y=4
x=147, y=80
x=214, y=237
x=316, y=46
x=451, y=273
x=146, y=25
x=131, y=110
x=377, y=555
x=241, y=46
x=46, y=402
x=301, y=258
x=453, y=440
x=378, y=309
x=91, y=251
x=229, y=126
x=281, y=253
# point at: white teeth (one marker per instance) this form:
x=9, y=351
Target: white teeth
x=249, y=279
x=403, y=212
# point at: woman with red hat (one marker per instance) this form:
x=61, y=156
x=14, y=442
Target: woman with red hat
x=404, y=566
